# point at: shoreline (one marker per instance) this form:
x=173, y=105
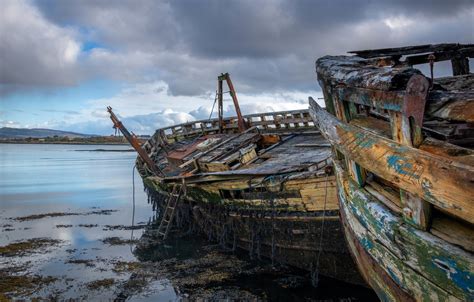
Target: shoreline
x=63, y=143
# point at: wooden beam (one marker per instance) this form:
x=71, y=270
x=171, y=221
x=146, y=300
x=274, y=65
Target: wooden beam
x=407, y=50
x=406, y=130
x=460, y=64
x=440, y=56
x=441, y=181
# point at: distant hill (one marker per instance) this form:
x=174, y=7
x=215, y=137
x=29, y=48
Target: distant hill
x=6, y=132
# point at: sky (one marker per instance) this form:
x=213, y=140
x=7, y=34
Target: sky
x=156, y=62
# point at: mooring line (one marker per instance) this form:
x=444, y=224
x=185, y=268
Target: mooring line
x=133, y=207
x=316, y=279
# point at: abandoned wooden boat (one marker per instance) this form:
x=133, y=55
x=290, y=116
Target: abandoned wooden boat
x=260, y=182
x=404, y=166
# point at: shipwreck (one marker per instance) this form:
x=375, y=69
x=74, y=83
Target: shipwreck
x=262, y=182
x=404, y=164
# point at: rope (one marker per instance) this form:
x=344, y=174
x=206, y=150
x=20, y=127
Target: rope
x=133, y=207
x=272, y=202
x=315, y=280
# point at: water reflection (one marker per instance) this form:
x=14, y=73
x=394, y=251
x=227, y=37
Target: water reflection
x=42, y=179
x=75, y=186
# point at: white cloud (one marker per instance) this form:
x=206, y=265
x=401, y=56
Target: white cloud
x=145, y=107
x=11, y=124
x=34, y=51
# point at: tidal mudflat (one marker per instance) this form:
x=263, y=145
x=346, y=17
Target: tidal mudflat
x=66, y=233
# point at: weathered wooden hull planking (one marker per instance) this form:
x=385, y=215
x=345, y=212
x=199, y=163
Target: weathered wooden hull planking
x=442, y=181
x=404, y=163
x=269, y=189
x=280, y=226
x=422, y=265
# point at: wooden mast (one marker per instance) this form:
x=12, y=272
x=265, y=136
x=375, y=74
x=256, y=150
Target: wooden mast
x=240, y=119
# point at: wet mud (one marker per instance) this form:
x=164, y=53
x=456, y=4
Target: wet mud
x=191, y=267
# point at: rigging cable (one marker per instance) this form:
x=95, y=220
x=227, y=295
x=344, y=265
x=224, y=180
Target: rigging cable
x=212, y=110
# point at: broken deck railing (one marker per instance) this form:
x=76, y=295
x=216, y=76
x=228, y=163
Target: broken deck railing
x=281, y=120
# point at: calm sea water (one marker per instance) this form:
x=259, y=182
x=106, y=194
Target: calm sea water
x=40, y=179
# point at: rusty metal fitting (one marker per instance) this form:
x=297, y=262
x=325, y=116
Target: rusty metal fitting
x=431, y=59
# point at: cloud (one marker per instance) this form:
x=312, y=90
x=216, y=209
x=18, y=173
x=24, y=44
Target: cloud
x=268, y=45
x=169, y=53
x=71, y=112
x=10, y=124
x=34, y=51
x=145, y=107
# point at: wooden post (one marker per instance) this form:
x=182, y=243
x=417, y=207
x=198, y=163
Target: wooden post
x=460, y=65
x=233, y=94
x=343, y=112
x=406, y=129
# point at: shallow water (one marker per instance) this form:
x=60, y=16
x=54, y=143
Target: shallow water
x=65, y=179
x=40, y=179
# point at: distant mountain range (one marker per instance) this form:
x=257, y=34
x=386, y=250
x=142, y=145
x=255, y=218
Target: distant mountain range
x=6, y=132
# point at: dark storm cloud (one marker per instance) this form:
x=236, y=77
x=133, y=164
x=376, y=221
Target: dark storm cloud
x=265, y=45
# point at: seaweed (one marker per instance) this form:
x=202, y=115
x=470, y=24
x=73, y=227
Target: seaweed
x=21, y=248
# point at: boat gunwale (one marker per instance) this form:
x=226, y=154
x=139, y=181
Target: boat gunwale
x=412, y=159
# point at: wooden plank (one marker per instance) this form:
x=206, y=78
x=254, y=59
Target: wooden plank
x=407, y=50
x=408, y=279
x=317, y=197
x=291, y=218
x=309, y=182
x=355, y=72
x=379, y=99
x=443, y=182
x=454, y=84
x=442, y=56
x=462, y=110
x=458, y=103
x=415, y=254
x=378, y=126
x=454, y=232
x=380, y=281
x=385, y=196
x=448, y=150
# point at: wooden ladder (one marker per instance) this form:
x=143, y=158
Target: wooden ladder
x=168, y=214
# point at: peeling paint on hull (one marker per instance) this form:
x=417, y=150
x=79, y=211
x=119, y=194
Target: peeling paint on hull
x=407, y=256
